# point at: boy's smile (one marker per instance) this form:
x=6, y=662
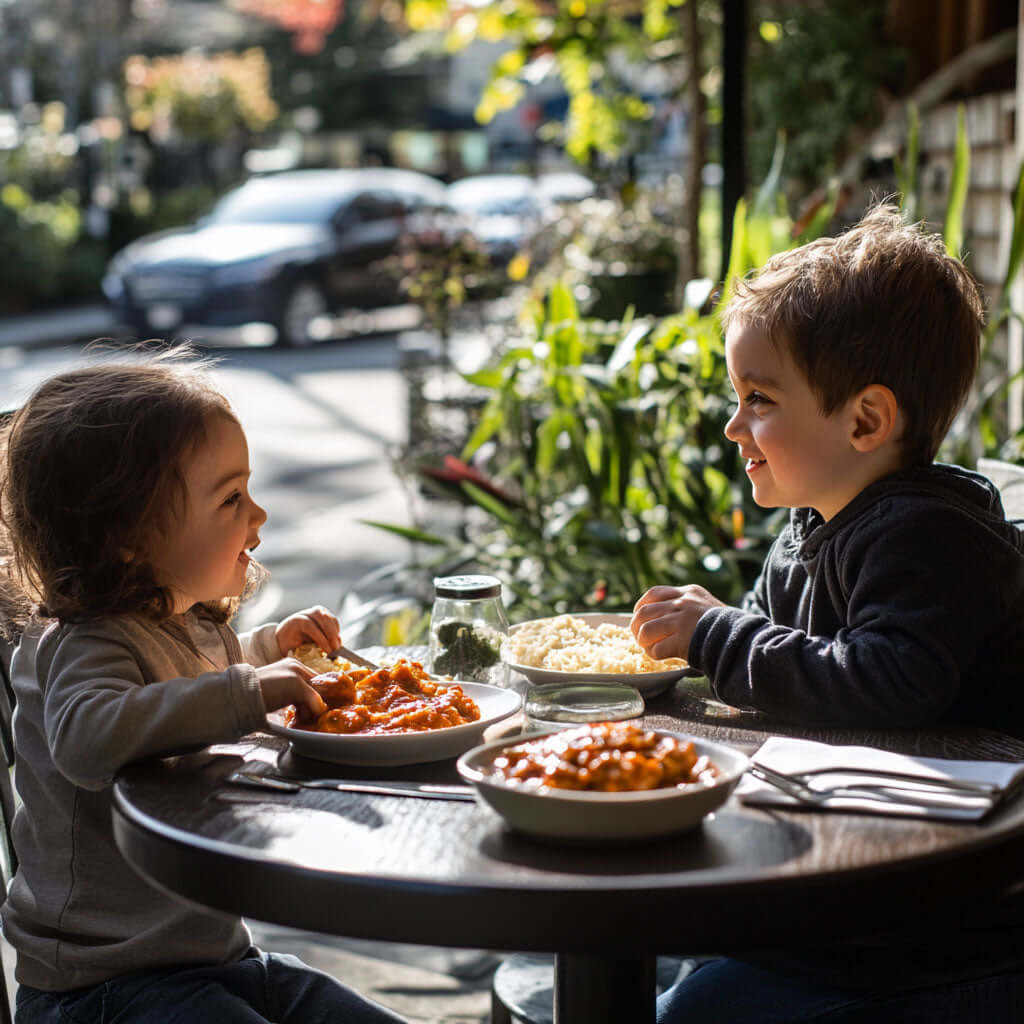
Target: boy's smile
x=796, y=456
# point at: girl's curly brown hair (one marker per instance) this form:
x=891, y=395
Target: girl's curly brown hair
x=90, y=479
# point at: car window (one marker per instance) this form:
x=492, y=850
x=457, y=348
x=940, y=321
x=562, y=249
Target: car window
x=368, y=207
x=270, y=206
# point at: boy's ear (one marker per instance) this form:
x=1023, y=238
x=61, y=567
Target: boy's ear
x=877, y=418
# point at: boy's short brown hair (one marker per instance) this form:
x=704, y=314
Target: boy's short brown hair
x=882, y=303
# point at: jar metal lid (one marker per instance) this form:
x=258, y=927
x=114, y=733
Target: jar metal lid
x=467, y=588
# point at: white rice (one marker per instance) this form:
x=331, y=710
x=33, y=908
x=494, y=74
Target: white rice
x=568, y=644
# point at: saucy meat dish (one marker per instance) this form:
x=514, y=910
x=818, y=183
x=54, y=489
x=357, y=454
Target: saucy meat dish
x=400, y=698
x=609, y=757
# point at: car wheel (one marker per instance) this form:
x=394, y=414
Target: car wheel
x=306, y=304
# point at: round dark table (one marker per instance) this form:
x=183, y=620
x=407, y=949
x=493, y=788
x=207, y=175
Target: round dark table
x=445, y=873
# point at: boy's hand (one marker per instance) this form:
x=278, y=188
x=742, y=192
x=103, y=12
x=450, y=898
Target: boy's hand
x=314, y=625
x=665, y=617
x=287, y=682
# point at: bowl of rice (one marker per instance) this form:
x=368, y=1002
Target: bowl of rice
x=587, y=647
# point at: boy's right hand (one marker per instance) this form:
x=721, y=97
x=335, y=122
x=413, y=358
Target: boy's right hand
x=287, y=682
x=665, y=617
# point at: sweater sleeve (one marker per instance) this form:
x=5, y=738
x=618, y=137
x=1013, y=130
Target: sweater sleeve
x=919, y=604
x=259, y=646
x=99, y=715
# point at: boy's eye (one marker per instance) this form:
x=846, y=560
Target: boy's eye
x=756, y=398
x=234, y=499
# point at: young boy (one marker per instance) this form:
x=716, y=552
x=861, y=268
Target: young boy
x=895, y=595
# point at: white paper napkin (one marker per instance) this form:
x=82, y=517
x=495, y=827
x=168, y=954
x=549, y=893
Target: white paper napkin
x=793, y=756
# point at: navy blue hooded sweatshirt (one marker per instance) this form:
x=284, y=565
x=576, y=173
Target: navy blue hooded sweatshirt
x=905, y=609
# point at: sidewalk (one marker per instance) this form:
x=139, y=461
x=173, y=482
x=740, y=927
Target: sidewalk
x=56, y=327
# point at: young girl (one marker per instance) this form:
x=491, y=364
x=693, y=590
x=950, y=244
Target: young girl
x=127, y=525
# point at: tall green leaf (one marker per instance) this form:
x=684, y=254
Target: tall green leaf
x=953, y=231
x=1016, y=238
x=907, y=172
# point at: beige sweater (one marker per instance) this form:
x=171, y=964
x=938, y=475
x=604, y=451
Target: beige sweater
x=90, y=699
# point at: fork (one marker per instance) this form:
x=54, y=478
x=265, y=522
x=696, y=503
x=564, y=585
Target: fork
x=930, y=781
x=880, y=792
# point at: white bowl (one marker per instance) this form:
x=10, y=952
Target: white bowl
x=648, y=683
x=575, y=816
x=400, y=748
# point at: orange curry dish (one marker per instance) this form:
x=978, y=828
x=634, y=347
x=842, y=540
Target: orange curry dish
x=402, y=698
x=609, y=757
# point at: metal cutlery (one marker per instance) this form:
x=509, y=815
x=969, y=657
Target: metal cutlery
x=889, y=777
x=884, y=792
x=424, y=790
x=356, y=659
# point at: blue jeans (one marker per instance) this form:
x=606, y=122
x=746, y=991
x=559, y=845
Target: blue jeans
x=725, y=990
x=258, y=988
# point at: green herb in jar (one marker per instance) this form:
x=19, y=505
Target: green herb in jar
x=468, y=651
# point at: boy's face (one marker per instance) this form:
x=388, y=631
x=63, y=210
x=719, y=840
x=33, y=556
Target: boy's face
x=796, y=456
x=204, y=556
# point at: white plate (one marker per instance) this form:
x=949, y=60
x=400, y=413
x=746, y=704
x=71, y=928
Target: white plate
x=574, y=816
x=648, y=683
x=400, y=748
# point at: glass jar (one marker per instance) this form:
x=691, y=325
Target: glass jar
x=467, y=627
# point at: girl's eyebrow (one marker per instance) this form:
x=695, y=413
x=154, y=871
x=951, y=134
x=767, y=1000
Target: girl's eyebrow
x=227, y=478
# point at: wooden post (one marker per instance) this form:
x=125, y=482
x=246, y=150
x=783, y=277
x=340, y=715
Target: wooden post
x=1015, y=333
x=734, y=161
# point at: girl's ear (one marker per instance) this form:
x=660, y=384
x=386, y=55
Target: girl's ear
x=877, y=418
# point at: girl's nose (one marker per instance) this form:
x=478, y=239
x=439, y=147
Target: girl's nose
x=733, y=429
x=259, y=514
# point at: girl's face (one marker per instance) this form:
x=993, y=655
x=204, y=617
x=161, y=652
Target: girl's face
x=204, y=554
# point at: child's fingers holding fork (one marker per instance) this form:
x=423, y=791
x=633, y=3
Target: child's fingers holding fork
x=287, y=682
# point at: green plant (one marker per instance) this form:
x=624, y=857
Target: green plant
x=817, y=69
x=606, y=470
x=606, y=440
x=46, y=256
x=610, y=254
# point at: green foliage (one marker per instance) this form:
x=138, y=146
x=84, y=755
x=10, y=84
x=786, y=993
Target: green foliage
x=45, y=255
x=816, y=69
x=608, y=470
x=611, y=255
x=605, y=443
x=578, y=37
x=142, y=212
x=953, y=231
x=208, y=98
x=907, y=169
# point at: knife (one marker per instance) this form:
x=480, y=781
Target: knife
x=424, y=790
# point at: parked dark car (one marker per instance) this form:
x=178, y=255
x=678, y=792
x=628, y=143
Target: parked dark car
x=285, y=250
x=504, y=210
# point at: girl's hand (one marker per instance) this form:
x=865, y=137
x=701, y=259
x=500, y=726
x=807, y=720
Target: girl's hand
x=665, y=617
x=314, y=625
x=287, y=682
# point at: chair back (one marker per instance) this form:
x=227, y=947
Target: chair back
x=1009, y=478
x=7, y=801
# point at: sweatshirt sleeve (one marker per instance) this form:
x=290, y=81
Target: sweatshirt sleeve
x=259, y=646
x=99, y=715
x=920, y=602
